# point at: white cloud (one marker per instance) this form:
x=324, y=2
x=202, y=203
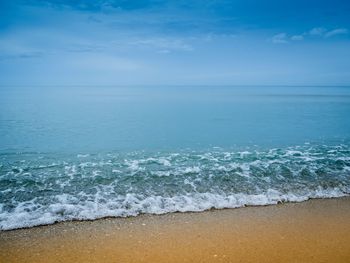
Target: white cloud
x=103, y=64
x=280, y=38
x=163, y=43
x=323, y=32
x=283, y=38
x=297, y=37
x=163, y=51
x=317, y=31
x=338, y=31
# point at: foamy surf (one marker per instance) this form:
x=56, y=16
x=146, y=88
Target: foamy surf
x=38, y=189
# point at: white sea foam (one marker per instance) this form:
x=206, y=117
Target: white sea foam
x=30, y=214
x=40, y=191
x=160, y=160
x=244, y=153
x=194, y=169
x=83, y=155
x=134, y=165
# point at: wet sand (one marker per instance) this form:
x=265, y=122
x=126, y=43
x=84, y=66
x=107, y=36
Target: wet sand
x=312, y=231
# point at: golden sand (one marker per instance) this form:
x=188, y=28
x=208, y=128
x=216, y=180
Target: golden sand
x=313, y=231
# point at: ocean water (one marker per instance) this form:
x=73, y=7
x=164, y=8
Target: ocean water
x=81, y=152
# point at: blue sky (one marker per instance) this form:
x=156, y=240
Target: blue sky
x=108, y=42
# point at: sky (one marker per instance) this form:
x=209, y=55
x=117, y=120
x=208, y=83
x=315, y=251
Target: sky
x=157, y=42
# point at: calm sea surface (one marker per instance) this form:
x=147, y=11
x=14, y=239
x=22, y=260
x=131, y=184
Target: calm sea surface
x=89, y=152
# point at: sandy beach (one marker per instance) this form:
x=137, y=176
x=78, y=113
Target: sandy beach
x=174, y=131
x=312, y=231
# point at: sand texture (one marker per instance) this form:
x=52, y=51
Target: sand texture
x=312, y=231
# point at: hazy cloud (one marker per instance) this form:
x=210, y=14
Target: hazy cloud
x=338, y=31
x=151, y=41
x=317, y=31
x=323, y=32
x=297, y=37
x=163, y=43
x=280, y=38
x=20, y=55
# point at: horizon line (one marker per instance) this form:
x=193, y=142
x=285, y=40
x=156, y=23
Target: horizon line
x=172, y=85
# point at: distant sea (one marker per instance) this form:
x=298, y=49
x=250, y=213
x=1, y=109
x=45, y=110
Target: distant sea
x=83, y=152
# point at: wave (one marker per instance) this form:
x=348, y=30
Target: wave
x=40, y=189
x=132, y=205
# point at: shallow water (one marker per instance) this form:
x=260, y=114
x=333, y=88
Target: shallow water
x=88, y=152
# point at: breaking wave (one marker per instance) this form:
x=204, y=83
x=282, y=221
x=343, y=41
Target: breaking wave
x=37, y=188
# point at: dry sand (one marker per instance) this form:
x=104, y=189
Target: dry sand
x=313, y=231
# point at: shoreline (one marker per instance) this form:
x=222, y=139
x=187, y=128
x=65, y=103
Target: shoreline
x=168, y=213
x=316, y=230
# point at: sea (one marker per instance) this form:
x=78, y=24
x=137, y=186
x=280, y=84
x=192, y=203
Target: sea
x=87, y=152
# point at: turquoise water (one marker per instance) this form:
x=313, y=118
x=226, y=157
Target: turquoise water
x=88, y=152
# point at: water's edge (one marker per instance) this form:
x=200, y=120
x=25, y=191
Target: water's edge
x=40, y=189
x=197, y=212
